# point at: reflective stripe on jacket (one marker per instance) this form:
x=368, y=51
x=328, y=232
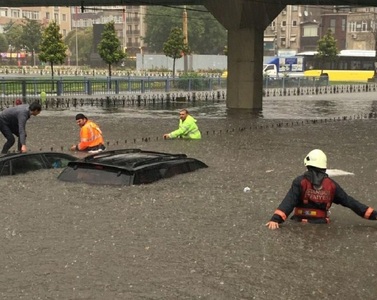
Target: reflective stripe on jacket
x=90, y=136
x=187, y=129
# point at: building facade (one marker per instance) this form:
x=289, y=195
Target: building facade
x=128, y=22
x=298, y=28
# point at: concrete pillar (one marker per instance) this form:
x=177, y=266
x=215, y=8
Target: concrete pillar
x=245, y=62
x=245, y=21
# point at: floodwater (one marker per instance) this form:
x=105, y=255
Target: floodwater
x=197, y=235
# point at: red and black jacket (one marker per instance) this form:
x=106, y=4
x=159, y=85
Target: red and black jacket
x=311, y=201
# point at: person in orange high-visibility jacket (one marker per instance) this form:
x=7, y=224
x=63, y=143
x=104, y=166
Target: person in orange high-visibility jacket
x=187, y=128
x=91, y=139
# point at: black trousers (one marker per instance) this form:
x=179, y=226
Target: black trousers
x=9, y=135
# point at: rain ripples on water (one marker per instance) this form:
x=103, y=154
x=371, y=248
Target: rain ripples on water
x=197, y=235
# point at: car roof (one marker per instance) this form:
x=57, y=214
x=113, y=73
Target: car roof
x=128, y=167
x=130, y=158
x=18, y=154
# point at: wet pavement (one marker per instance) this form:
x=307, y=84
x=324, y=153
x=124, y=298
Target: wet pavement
x=198, y=235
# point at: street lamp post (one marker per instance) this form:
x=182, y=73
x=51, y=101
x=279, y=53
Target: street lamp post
x=185, y=34
x=77, y=47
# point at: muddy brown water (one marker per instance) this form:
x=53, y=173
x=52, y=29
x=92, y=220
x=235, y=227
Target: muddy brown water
x=193, y=236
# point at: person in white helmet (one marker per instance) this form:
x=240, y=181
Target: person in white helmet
x=312, y=194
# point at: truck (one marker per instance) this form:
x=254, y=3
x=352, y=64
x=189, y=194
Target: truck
x=278, y=67
x=284, y=67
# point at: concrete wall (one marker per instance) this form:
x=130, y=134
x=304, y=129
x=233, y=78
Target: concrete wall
x=195, y=62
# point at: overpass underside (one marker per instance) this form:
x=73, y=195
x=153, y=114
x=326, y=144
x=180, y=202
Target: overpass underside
x=245, y=21
x=21, y=3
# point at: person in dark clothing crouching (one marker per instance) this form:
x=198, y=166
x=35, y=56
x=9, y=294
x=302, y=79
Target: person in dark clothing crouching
x=312, y=194
x=13, y=122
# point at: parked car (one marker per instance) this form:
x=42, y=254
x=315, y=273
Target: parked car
x=19, y=163
x=128, y=167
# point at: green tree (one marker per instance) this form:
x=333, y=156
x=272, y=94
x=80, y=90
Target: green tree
x=85, y=44
x=109, y=48
x=327, y=50
x=12, y=32
x=175, y=46
x=3, y=43
x=52, y=47
x=205, y=34
x=31, y=36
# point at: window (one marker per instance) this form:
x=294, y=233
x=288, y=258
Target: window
x=5, y=169
x=47, y=15
x=332, y=25
x=294, y=23
x=3, y=12
x=64, y=17
x=25, y=164
x=56, y=17
x=310, y=31
x=15, y=13
x=283, y=23
x=364, y=26
x=57, y=161
x=343, y=24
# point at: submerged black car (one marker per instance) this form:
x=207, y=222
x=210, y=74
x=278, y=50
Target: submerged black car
x=128, y=167
x=19, y=163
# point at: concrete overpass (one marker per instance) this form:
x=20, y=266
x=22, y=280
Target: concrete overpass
x=245, y=21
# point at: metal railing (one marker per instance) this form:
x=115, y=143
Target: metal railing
x=32, y=87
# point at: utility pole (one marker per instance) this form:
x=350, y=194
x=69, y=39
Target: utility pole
x=124, y=30
x=77, y=47
x=185, y=34
x=374, y=30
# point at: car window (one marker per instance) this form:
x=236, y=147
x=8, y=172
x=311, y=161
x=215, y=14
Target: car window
x=5, y=168
x=25, y=164
x=56, y=160
x=95, y=176
x=147, y=176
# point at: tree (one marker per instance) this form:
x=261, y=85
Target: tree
x=31, y=36
x=85, y=43
x=3, y=43
x=327, y=50
x=175, y=46
x=52, y=47
x=205, y=34
x=109, y=48
x=12, y=32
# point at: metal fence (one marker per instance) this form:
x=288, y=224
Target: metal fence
x=32, y=87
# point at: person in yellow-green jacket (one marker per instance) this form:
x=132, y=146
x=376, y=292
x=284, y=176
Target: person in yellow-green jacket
x=187, y=128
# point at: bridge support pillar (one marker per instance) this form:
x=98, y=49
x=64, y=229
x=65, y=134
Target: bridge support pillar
x=245, y=21
x=245, y=63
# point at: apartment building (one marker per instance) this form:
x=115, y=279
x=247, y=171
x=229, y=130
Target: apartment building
x=298, y=28
x=62, y=15
x=128, y=21
x=284, y=35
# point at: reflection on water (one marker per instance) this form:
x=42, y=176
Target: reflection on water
x=308, y=107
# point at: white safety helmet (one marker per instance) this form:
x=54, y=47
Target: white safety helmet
x=316, y=158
